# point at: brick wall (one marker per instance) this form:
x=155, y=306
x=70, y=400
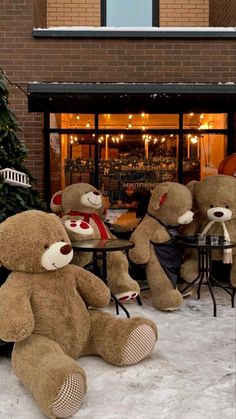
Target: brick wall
x=26, y=59
x=222, y=13
x=184, y=13
x=73, y=13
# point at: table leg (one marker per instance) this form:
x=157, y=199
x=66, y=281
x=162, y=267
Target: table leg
x=226, y=288
x=104, y=278
x=206, y=266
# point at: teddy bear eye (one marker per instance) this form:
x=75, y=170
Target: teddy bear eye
x=226, y=206
x=211, y=206
x=46, y=246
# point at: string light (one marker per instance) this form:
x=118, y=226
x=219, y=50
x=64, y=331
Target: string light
x=11, y=83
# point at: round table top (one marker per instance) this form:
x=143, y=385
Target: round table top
x=193, y=242
x=102, y=245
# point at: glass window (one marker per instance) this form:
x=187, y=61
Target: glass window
x=141, y=121
x=71, y=120
x=129, y=13
x=202, y=155
x=205, y=121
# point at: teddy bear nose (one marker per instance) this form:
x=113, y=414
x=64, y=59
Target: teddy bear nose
x=66, y=249
x=96, y=193
x=218, y=214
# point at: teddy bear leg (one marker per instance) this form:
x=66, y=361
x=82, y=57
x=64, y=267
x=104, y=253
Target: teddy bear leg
x=119, y=341
x=56, y=381
x=118, y=279
x=165, y=297
x=189, y=269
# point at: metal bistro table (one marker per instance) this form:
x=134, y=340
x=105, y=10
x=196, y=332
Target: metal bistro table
x=205, y=267
x=99, y=248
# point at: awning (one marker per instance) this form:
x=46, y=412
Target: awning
x=136, y=97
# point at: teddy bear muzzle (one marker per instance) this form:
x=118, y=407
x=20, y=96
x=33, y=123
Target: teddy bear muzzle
x=59, y=254
x=219, y=214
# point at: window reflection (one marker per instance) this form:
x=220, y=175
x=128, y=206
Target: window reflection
x=135, y=13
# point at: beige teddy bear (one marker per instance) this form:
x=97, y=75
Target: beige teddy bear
x=214, y=213
x=82, y=208
x=45, y=309
x=169, y=207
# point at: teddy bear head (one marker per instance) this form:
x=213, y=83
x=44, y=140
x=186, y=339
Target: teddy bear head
x=34, y=241
x=215, y=197
x=78, y=197
x=171, y=204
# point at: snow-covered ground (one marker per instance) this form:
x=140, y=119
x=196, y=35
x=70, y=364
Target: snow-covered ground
x=189, y=375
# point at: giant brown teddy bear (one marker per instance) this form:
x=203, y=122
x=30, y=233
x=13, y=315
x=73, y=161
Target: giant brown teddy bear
x=82, y=209
x=44, y=309
x=214, y=200
x=169, y=207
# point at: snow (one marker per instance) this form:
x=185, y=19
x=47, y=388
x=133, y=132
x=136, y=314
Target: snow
x=189, y=375
x=138, y=29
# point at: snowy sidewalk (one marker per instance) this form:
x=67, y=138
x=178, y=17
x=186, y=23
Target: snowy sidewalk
x=190, y=374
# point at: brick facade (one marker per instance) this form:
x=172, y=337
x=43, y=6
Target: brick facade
x=73, y=13
x=222, y=13
x=184, y=13
x=25, y=59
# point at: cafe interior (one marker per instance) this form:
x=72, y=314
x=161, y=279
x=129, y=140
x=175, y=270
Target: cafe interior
x=134, y=151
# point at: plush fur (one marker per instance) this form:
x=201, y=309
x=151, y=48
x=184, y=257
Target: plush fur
x=170, y=205
x=44, y=309
x=214, y=200
x=82, y=208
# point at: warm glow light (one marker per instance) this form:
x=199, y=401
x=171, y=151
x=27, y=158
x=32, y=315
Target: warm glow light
x=142, y=114
x=130, y=116
x=130, y=125
x=88, y=125
x=77, y=117
x=202, y=116
x=143, y=128
x=191, y=114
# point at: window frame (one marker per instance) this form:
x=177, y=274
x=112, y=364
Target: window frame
x=155, y=13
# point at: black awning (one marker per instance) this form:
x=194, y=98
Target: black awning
x=126, y=97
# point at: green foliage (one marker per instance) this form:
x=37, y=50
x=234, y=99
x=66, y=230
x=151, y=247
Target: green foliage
x=13, y=199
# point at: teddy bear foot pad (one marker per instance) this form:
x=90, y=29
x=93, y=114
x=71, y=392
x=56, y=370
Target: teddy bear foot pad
x=70, y=396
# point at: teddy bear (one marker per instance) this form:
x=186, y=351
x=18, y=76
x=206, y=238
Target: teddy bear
x=155, y=244
x=48, y=308
x=82, y=211
x=214, y=214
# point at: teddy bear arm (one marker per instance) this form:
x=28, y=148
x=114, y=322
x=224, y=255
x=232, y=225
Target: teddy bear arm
x=16, y=316
x=160, y=235
x=140, y=253
x=92, y=289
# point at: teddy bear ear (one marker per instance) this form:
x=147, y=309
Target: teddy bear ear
x=192, y=185
x=162, y=199
x=56, y=202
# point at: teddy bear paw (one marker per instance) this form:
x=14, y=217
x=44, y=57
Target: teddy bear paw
x=126, y=296
x=139, y=345
x=70, y=396
x=79, y=227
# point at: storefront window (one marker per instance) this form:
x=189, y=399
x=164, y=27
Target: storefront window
x=134, y=150
x=143, y=121
x=204, y=121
